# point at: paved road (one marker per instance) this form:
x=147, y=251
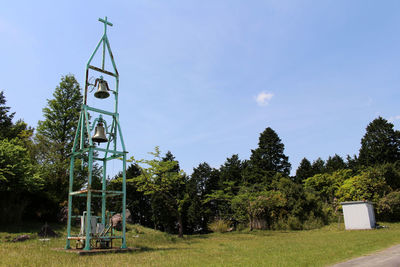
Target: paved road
x=387, y=258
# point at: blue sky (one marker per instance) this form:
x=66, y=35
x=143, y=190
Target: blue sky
x=204, y=78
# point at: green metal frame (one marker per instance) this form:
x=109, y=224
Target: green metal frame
x=80, y=150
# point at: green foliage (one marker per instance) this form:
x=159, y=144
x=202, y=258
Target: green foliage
x=136, y=201
x=380, y=143
x=17, y=173
x=327, y=184
x=368, y=185
x=388, y=207
x=391, y=173
x=54, y=140
x=159, y=177
x=257, y=207
x=302, y=205
x=11, y=130
x=5, y=118
x=231, y=171
x=18, y=180
x=304, y=171
x=268, y=159
x=318, y=166
x=61, y=115
x=203, y=182
x=335, y=163
x=162, y=180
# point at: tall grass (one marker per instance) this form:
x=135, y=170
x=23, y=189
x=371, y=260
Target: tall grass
x=219, y=226
x=319, y=247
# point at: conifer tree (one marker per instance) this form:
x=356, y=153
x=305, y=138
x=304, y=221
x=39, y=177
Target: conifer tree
x=54, y=139
x=380, y=144
x=303, y=171
x=268, y=159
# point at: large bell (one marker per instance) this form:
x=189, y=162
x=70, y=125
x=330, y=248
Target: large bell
x=99, y=134
x=102, y=90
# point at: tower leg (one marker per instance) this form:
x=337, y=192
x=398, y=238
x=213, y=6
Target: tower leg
x=123, y=201
x=88, y=202
x=103, y=195
x=71, y=181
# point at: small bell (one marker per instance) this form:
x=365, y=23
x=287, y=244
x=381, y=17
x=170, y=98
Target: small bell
x=99, y=134
x=102, y=90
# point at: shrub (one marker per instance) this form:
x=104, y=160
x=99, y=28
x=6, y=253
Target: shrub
x=313, y=222
x=219, y=226
x=294, y=223
x=388, y=207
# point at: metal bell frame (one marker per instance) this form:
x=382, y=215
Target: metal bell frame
x=80, y=150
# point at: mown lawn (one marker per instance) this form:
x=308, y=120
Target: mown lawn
x=320, y=247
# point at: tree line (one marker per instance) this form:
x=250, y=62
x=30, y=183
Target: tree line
x=258, y=192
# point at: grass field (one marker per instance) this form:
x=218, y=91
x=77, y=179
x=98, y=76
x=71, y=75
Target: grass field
x=321, y=247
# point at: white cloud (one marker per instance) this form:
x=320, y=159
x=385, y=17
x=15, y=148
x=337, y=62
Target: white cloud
x=263, y=98
x=394, y=118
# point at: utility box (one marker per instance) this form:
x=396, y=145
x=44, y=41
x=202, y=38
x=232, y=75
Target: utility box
x=358, y=215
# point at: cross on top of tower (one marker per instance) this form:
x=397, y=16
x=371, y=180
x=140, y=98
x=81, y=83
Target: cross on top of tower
x=106, y=22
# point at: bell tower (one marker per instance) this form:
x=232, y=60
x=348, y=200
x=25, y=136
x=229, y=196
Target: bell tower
x=98, y=140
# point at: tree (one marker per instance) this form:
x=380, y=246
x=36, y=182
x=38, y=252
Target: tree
x=161, y=212
x=327, y=184
x=18, y=179
x=161, y=179
x=304, y=171
x=5, y=118
x=380, y=144
x=303, y=208
x=268, y=159
x=11, y=130
x=54, y=139
x=388, y=207
x=352, y=162
x=257, y=207
x=231, y=171
x=203, y=181
x=369, y=185
x=136, y=201
x=335, y=163
x=318, y=166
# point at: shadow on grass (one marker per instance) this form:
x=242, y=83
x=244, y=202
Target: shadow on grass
x=29, y=227
x=150, y=249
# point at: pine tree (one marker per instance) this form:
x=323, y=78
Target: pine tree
x=268, y=159
x=335, y=163
x=318, y=166
x=380, y=144
x=304, y=171
x=231, y=171
x=5, y=118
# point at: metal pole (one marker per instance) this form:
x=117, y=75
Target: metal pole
x=89, y=201
x=103, y=195
x=123, y=201
x=71, y=181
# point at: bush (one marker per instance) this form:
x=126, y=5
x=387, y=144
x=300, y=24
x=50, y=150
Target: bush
x=313, y=222
x=294, y=223
x=388, y=207
x=219, y=226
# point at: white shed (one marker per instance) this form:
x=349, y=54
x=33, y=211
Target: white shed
x=358, y=215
